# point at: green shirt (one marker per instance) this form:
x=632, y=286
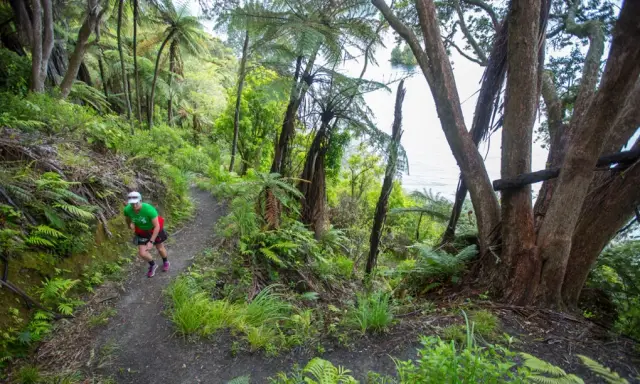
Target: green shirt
x=143, y=218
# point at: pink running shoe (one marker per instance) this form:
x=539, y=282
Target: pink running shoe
x=152, y=270
x=165, y=266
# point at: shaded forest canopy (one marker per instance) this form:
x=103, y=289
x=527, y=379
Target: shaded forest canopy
x=100, y=97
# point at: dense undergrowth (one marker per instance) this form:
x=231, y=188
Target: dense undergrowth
x=65, y=170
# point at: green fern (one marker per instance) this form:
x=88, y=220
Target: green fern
x=605, y=373
x=269, y=254
x=46, y=230
x=240, y=380
x=547, y=373
x=39, y=241
x=54, y=218
x=326, y=373
x=75, y=211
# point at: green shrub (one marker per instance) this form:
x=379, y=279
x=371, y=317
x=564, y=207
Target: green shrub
x=485, y=323
x=267, y=307
x=29, y=374
x=617, y=272
x=14, y=72
x=343, y=266
x=442, y=362
x=372, y=312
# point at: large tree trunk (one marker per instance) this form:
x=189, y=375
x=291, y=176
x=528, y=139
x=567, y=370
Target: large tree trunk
x=236, y=117
x=298, y=91
x=136, y=10
x=387, y=185
x=42, y=42
x=518, y=258
x=91, y=23
x=592, y=128
x=603, y=214
x=123, y=72
x=151, y=100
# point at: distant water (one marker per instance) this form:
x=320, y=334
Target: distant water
x=431, y=163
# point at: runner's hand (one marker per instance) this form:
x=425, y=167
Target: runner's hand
x=149, y=245
x=132, y=226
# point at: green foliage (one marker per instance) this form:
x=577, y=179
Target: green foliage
x=441, y=362
x=617, y=272
x=317, y=371
x=260, y=321
x=14, y=72
x=403, y=56
x=433, y=268
x=372, y=312
x=29, y=374
x=54, y=293
x=240, y=380
x=102, y=318
x=546, y=373
x=601, y=371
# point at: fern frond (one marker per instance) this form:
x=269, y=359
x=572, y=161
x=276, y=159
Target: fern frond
x=39, y=241
x=46, y=230
x=269, y=254
x=241, y=380
x=540, y=366
x=54, y=218
x=75, y=211
x=605, y=373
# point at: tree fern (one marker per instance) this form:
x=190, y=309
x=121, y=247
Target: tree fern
x=605, y=373
x=547, y=373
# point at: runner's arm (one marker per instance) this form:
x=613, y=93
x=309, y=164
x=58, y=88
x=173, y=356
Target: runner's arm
x=156, y=229
x=129, y=223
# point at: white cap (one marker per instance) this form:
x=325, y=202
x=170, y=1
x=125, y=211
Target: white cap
x=134, y=198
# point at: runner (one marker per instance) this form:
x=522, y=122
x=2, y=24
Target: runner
x=148, y=227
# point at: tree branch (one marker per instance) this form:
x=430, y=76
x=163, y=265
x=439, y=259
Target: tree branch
x=472, y=41
x=552, y=101
x=627, y=123
x=623, y=158
x=592, y=30
x=487, y=8
x=461, y=52
x=408, y=36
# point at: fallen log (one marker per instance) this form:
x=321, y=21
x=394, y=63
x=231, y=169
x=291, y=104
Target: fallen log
x=623, y=158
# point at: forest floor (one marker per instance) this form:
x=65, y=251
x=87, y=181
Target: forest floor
x=138, y=344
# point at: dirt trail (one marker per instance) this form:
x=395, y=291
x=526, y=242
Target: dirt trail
x=147, y=350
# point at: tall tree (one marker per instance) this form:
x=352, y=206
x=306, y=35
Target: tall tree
x=185, y=30
x=533, y=267
x=136, y=20
x=387, y=185
x=241, y=76
x=123, y=72
x=93, y=18
x=41, y=42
